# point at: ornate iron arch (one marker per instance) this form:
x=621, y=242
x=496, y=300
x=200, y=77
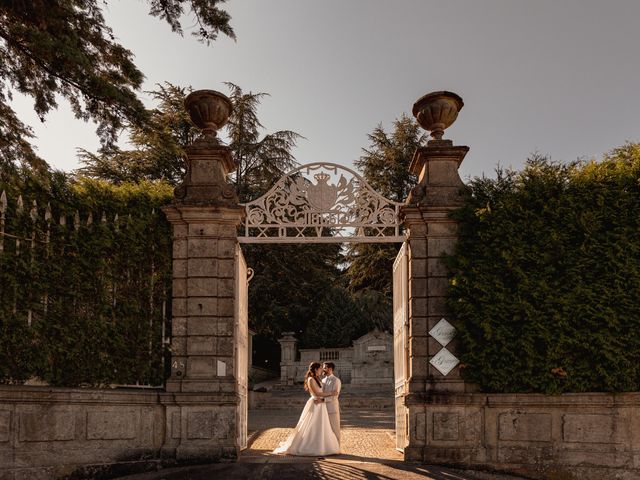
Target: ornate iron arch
x=322, y=203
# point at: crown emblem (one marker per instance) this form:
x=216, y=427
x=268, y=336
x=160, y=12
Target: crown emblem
x=322, y=177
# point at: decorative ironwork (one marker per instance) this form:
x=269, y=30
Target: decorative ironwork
x=322, y=203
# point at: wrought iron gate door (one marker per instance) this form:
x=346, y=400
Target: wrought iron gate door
x=242, y=345
x=401, y=343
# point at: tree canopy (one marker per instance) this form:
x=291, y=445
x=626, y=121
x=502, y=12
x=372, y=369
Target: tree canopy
x=64, y=49
x=385, y=166
x=260, y=161
x=385, y=162
x=156, y=150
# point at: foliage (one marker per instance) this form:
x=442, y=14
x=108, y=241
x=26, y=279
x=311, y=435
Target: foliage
x=83, y=306
x=545, y=279
x=337, y=322
x=289, y=284
x=157, y=151
x=370, y=267
x=64, y=49
x=385, y=166
x=157, y=148
x=376, y=308
x=385, y=163
x=260, y=161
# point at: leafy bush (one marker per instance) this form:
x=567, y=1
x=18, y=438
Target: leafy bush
x=84, y=306
x=545, y=279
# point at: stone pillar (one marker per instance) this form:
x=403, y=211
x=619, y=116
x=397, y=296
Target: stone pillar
x=431, y=236
x=288, y=353
x=202, y=425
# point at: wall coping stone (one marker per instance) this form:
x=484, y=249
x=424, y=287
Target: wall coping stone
x=129, y=396
x=526, y=399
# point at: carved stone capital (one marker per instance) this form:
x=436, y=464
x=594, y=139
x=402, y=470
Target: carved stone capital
x=185, y=214
x=436, y=166
x=205, y=182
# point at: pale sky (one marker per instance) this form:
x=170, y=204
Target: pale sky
x=559, y=77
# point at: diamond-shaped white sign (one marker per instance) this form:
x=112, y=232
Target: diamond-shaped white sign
x=444, y=361
x=443, y=332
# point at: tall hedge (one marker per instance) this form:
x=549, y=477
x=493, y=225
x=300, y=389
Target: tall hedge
x=545, y=280
x=93, y=294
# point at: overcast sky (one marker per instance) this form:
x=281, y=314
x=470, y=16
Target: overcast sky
x=559, y=77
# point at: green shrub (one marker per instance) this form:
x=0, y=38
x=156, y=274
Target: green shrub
x=545, y=280
x=86, y=308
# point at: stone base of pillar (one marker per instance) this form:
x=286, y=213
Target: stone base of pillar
x=201, y=427
x=414, y=454
x=441, y=385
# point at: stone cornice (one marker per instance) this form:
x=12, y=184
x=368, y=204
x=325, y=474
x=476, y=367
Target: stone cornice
x=215, y=214
x=513, y=400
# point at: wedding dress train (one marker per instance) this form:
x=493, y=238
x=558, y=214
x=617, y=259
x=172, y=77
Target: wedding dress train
x=313, y=435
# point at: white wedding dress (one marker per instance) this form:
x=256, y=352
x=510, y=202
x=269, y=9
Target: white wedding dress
x=313, y=435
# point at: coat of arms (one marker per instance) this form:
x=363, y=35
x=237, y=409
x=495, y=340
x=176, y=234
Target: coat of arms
x=322, y=196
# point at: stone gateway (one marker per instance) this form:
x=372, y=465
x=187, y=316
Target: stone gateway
x=201, y=415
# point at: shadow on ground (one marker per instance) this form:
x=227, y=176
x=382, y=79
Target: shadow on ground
x=368, y=446
x=309, y=469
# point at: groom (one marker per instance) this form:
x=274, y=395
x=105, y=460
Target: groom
x=331, y=383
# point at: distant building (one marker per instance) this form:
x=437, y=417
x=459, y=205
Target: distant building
x=369, y=361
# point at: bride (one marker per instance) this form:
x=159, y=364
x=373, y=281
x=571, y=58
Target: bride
x=313, y=435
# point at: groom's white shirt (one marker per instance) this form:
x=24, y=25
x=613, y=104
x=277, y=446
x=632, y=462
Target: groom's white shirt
x=330, y=384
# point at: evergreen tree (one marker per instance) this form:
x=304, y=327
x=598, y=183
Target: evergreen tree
x=385, y=166
x=337, y=322
x=157, y=151
x=158, y=147
x=289, y=285
x=64, y=49
x=385, y=162
x=260, y=161
x=376, y=308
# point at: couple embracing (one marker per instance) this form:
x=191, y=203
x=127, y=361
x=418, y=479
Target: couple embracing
x=318, y=430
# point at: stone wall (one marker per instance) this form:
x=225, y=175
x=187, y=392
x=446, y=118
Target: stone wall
x=373, y=359
x=341, y=357
x=591, y=436
x=50, y=433
x=369, y=361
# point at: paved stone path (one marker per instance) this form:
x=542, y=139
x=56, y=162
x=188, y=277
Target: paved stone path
x=368, y=453
x=365, y=434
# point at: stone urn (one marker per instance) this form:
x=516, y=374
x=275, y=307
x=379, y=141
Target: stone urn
x=436, y=111
x=209, y=110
